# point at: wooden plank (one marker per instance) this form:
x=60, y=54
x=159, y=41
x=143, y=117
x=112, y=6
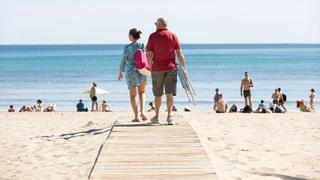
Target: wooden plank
x=141, y=151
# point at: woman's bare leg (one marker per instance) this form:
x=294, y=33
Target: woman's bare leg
x=97, y=107
x=142, y=97
x=133, y=94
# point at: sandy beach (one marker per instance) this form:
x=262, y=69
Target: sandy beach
x=64, y=145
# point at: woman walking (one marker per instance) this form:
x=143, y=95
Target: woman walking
x=136, y=81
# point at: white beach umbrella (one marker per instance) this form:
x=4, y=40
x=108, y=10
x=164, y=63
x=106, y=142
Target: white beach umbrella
x=98, y=91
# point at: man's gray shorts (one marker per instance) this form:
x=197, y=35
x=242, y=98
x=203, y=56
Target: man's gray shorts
x=166, y=80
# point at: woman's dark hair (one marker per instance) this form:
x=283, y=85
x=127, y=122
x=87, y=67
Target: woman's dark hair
x=312, y=90
x=135, y=33
x=39, y=101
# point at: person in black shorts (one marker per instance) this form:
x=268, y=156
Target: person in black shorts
x=245, y=89
x=93, y=96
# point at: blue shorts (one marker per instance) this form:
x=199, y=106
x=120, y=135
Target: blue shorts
x=134, y=79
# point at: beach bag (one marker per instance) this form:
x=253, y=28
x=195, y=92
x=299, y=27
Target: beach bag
x=247, y=109
x=278, y=110
x=141, y=61
x=284, y=97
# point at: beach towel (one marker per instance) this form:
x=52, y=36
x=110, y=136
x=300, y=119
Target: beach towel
x=186, y=84
x=141, y=61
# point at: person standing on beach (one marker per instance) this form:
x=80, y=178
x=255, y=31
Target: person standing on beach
x=245, y=89
x=312, y=96
x=94, y=98
x=216, y=99
x=282, y=99
x=135, y=80
x=276, y=97
x=162, y=48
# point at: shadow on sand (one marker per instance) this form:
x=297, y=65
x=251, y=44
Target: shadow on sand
x=68, y=136
x=281, y=176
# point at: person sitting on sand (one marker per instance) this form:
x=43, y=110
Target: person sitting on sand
x=94, y=98
x=216, y=98
x=233, y=109
x=274, y=108
x=152, y=108
x=11, y=109
x=23, y=109
x=282, y=100
x=275, y=97
x=30, y=109
x=263, y=108
x=221, y=105
x=245, y=89
x=105, y=107
x=81, y=107
x=303, y=107
x=50, y=108
x=38, y=107
x=312, y=96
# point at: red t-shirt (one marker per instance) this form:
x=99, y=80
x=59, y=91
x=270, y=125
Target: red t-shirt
x=163, y=44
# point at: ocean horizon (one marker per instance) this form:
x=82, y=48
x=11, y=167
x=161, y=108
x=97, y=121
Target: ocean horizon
x=59, y=73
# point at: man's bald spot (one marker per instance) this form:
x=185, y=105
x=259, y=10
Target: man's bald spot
x=162, y=22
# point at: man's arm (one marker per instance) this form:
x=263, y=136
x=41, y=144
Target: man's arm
x=181, y=57
x=150, y=58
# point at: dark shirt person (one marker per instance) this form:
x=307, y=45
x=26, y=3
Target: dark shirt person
x=81, y=107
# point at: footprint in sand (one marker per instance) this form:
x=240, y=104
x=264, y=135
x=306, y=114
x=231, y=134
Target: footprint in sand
x=267, y=170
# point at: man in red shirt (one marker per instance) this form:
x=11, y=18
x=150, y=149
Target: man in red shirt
x=162, y=48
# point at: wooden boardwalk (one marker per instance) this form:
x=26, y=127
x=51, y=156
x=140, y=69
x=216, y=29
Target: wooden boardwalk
x=142, y=151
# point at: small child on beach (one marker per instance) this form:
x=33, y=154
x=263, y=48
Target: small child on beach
x=105, y=107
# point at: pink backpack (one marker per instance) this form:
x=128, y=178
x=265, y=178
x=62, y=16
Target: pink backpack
x=141, y=61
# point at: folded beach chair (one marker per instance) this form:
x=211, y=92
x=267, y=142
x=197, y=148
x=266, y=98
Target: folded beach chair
x=186, y=84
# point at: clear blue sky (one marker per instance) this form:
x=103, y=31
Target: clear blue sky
x=201, y=21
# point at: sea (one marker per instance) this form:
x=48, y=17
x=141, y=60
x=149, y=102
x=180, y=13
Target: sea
x=60, y=73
